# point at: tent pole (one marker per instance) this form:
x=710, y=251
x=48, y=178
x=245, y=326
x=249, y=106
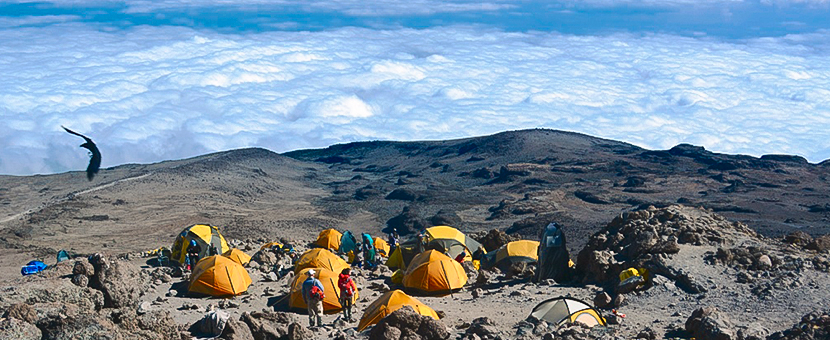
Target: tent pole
x=446, y=277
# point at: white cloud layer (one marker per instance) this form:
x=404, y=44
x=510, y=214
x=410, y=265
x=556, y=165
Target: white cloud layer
x=147, y=94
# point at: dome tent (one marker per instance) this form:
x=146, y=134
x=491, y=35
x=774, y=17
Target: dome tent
x=433, y=273
x=329, y=239
x=219, y=276
x=320, y=258
x=451, y=241
x=237, y=256
x=206, y=237
x=512, y=252
x=560, y=310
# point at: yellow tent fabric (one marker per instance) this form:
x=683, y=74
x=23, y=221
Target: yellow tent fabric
x=390, y=302
x=205, y=236
x=397, y=277
x=271, y=244
x=434, y=273
x=331, y=301
x=522, y=248
x=381, y=246
x=320, y=258
x=219, y=276
x=237, y=256
x=451, y=239
x=329, y=239
x=395, y=260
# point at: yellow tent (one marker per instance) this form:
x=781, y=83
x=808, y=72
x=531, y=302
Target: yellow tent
x=331, y=301
x=513, y=252
x=432, y=272
x=205, y=236
x=451, y=240
x=329, y=239
x=388, y=303
x=320, y=258
x=237, y=256
x=219, y=276
x=271, y=244
x=381, y=246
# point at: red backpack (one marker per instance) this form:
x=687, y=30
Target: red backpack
x=317, y=293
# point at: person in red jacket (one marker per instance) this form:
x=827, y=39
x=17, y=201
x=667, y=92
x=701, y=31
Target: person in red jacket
x=347, y=291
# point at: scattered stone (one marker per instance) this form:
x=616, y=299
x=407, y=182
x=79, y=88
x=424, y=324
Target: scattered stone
x=298, y=332
x=619, y=300
x=188, y=305
x=602, y=300
x=144, y=308
x=477, y=293
x=484, y=328
x=707, y=323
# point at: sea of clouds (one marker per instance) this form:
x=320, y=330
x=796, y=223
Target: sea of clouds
x=147, y=93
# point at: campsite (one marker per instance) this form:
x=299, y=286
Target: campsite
x=640, y=265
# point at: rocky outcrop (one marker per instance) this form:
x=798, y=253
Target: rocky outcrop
x=638, y=239
x=815, y=325
x=121, y=282
x=405, y=323
x=407, y=222
x=493, y=239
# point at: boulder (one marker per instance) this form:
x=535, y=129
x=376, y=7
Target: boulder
x=121, y=282
x=820, y=244
x=268, y=324
x=494, y=239
x=814, y=325
x=484, y=328
x=298, y=332
x=405, y=323
x=446, y=217
x=602, y=300
x=407, y=222
x=236, y=330
x=707, y=323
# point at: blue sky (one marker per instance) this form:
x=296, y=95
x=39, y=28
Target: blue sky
x=157, y=80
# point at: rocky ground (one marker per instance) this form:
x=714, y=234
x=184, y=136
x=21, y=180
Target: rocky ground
x=711, y=278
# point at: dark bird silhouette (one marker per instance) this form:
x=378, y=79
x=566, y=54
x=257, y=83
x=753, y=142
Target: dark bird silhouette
x=94, y=158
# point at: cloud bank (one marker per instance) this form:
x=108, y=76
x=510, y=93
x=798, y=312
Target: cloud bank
x=149, y=93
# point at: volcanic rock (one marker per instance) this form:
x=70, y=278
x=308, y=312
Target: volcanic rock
x=405, y=323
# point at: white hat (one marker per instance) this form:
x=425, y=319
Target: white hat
x=311, y=272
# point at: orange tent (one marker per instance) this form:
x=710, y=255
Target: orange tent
x=434, y=273
x=320, y=258
x=237, y=256
x=388, y=303
x=331, y=301
x=329, y=239
x=271, y=244
x=219, y=276
x=381, y=246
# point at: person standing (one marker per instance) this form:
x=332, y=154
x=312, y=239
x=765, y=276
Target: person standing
x=313, y=296
x=192, y=257
x=394, y=239
x=347, y=290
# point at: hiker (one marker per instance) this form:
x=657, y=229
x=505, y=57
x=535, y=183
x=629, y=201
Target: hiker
x=313, y=294
x=368, y=252
x=213, y=251
x=193, y=251
x=347, y=289
x=394, y=239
